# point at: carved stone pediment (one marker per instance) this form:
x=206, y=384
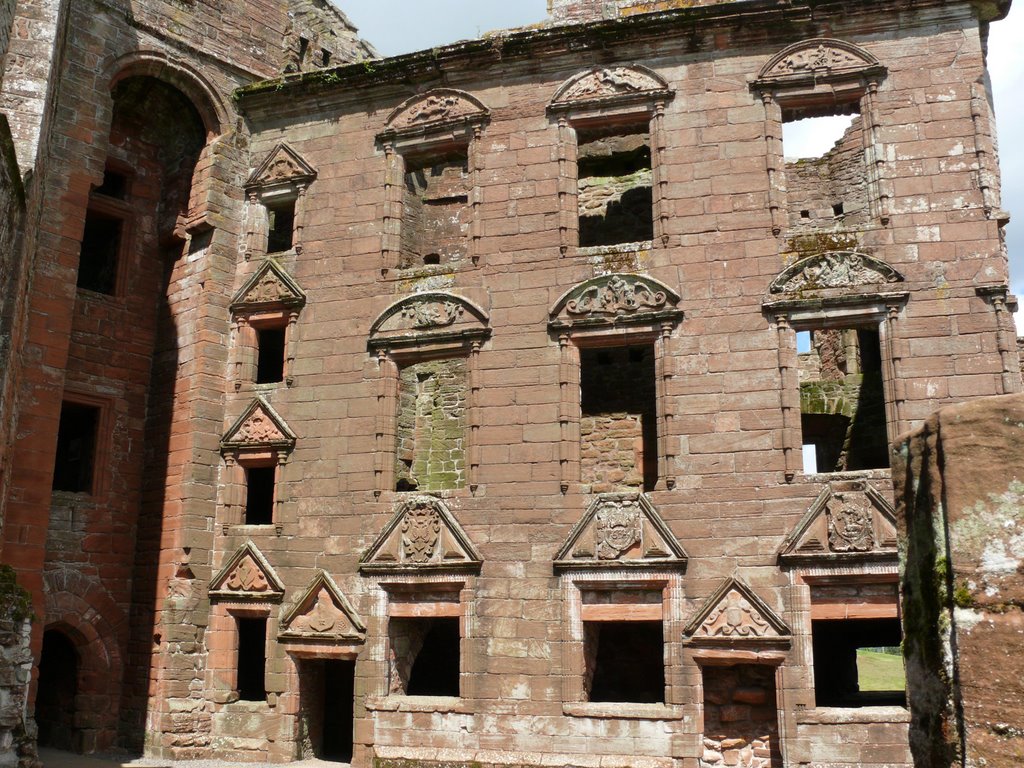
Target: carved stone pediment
x=602, y=85
x=322, y=613
x=269, y=286
x=259, y=426
x=833, y=270
x=423, y=535
x=426, y=317
x=734, y=614
x=282, y=166
x=616, y=299
x=817, y=59
x=621, y=529
x=247, y=576
x=844, y=524
x=435, y=110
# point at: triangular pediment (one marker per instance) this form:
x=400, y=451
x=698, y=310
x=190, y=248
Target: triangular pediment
x=259, y=426
x=269, y=286
x=428, y=316
x=616, y=299
x=435, y=110
x=843, y=525
x=247, y=576
x=322, y=613
x=423, y=535
x=621, y=530
x=817, y=58
x=282, y=166
x=734, y=613
x=833, y=270
x=610, y=84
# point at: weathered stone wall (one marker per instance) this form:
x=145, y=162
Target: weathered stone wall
x=435, y=212
x=740, y=721
x=573, y=11
x=6, y=21
x=319, y=35
x=960, y=495
x=432, y=426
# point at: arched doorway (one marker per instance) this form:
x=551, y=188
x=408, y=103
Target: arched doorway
x=55, y=695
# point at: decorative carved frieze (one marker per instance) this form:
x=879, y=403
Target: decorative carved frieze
x=621, y=529
x=434, y=110
x=833, y=270
x=422, y=535
x=610, y=84
x=259, y=426
x=269, y=286
x=426, y=316
x=247, y=575
x=322, y=613
x=282, y=166
x=734, y=613
x=818, y=58
x=616, y=298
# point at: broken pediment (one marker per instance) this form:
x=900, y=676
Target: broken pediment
x=610, y=84
x=322, y=613
x=843, y=524
x=621, y=529
x=435, y=110
x=429, y=316
x=270, y=286
x=259, y=426
x=247, y=575
x=735, y=613
x=282, y=166
x=817, y=58
x=617, y=299
x=833, y=270
x=422, y=536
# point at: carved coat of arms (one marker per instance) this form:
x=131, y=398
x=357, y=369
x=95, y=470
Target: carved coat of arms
x=616, y=530
x=421, y=530
x=850, y=527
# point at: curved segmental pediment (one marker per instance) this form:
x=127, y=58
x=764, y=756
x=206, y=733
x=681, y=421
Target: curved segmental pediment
x=322, y=612
x=282, y=166
x=615, y=299
x=269, y=286
x=434, y=110
x=247, y=576
x=259, y=426
x=424, y=317
x=735, y=614
x=833, y=269
x=423, y=535
x=816, y=57
x=608, y=84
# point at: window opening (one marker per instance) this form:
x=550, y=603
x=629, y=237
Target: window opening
x=624, y=661
x=325, y=56
x=426, y=654
x=740, y=714
x=252, y=658
x=619, y=422
x=56, y=692
x=100, y=251
x=858, y=662
x=281, y=220
x=614, y=185
x=270, y=344
x=259, y=495
x=76, y=448
x=436, y=210
x=114, y=185
x=842, y=402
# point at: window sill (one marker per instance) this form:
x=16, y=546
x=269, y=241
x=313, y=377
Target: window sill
x=248, y=529
x=612, y=710
x=402, y=703
x=419, y=271
x=860, y=474
x=616, y=249
x=247, y=706
x=844, y=715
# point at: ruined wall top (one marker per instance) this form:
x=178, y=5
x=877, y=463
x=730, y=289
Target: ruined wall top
x=574, y=11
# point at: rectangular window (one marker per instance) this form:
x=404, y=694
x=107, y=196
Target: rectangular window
x=858, y=663
x=619, y=418
x=100, y=252
x=426, y=655
x=281, y=226
x=435, y=208
x=76, y=448
x=259, y=495
x=270, y=351
x=624, y=661
x=614, y=185
x=252, y=658
x=842, y=402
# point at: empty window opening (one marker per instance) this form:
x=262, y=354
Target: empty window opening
x=842, y=403
x=624, y=661
x=270, y=343
x=76, y=448
x=432, y=424
x=826, y=176
x=114, y=185
x=99, y=255
x=303, y=49
x=325, y=57
x=858, y=663
x=281, y=226
x=252, y=658
x=327, y=693
x=259, y=495
x=425, y=655
x=740, y=714
x=435, y=208
x=56, y=692
x=619, y=420
x=614, y=183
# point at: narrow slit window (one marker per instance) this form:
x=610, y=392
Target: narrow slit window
x=74, y=462
x=259, y=495
x=614, y=185
x=100, y=253
x=281, y=222
x=252, y=659
x=270, y=343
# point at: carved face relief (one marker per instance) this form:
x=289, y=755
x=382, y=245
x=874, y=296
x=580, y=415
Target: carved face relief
x=258, y=429
x=618, y=296
x=432, y=314
x=616, y=530
x=247, y=577
x=421, y=530
x=850, y=527
x=735, y=616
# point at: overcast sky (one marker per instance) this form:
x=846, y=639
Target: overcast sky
x=402, y=26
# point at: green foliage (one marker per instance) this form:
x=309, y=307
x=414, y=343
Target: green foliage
x=15, y=601
x=962, y=596
x=880, y=670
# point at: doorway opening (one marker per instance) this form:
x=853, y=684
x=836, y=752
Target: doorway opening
x=58, y=687
x=327, y=690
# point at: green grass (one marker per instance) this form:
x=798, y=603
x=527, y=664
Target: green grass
x=880, y=671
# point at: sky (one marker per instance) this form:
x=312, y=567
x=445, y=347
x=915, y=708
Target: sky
x=428, y=23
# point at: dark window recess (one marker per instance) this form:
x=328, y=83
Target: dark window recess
x=76, y=448
x=625, y=661
x=114, y=185
x=857, y=663
x=325, y=56
x=252, y=659
x=97, y=260
x=281, y=218
x=270, y=355
x=435, y=208
x=837, y=209
x=614, y=186
x=427, y=654
x=259, y=495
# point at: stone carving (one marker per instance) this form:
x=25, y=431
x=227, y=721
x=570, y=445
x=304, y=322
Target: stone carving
x=270, y=284
x=282, y=167
x=850, y=526
x=618, y=295
x=735, y=613
x=610, y=82
x=438, y=106
x=421, y=530
x=834, y=269
x=432, y=314
x=258, y=426
x=258, y=429
x=322, y=617
x=423, y=314
x=283, y=164
x=247, y=576
x=423, y=534
x=735, y=616
x=268, y=288
x=322, y=612
x=617, y=529
x=817, y=57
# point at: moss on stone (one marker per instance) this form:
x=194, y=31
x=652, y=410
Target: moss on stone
x=15, y=601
